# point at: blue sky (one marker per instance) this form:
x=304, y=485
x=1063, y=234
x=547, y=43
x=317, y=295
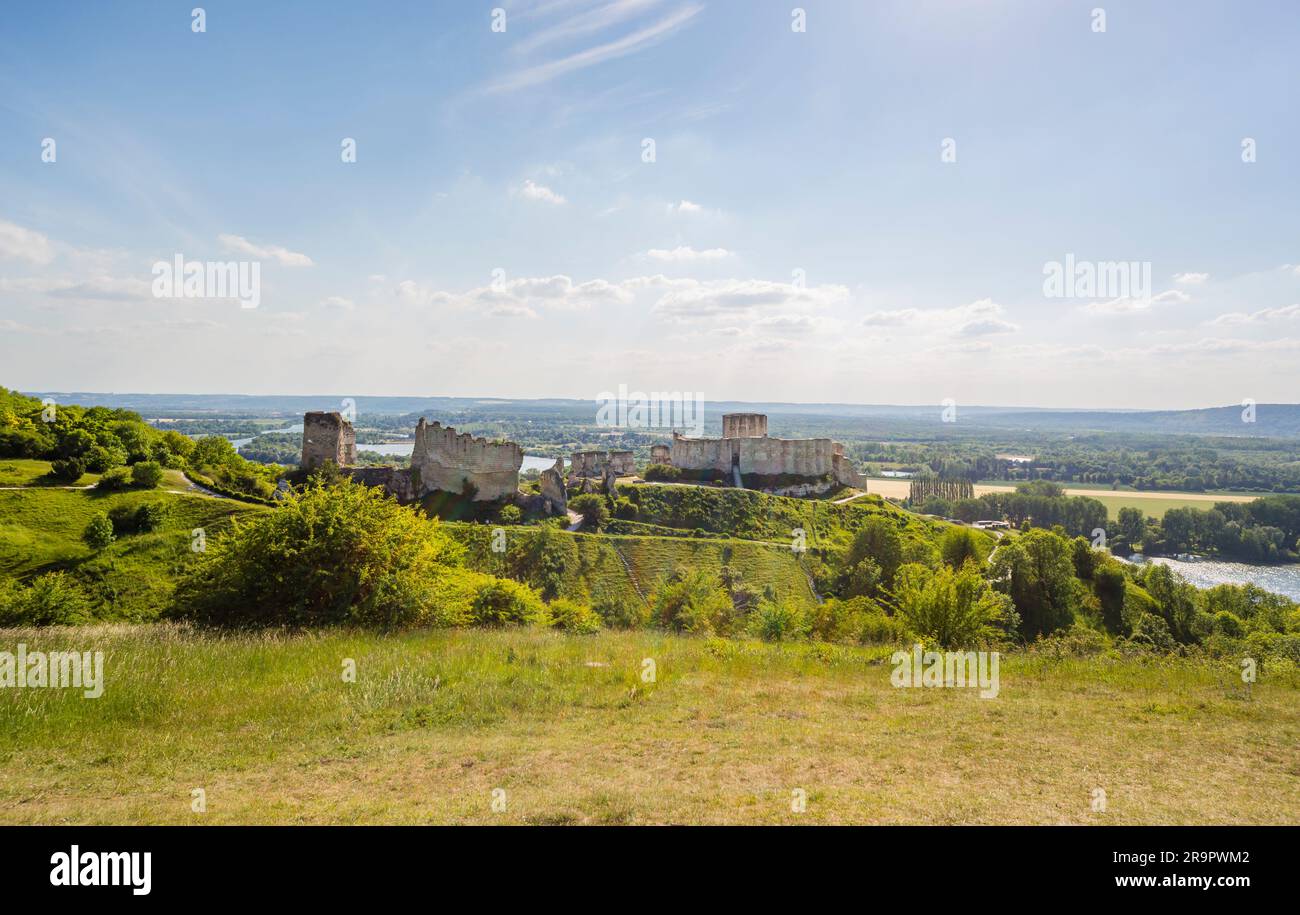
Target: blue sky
x=798, y=235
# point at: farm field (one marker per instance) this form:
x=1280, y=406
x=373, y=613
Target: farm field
x=568, y=729
x=1153, y=504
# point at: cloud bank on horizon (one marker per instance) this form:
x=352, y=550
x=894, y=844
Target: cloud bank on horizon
x=891, y=202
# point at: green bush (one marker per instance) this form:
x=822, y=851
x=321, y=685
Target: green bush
x=773, y=621
x=146, y=474
x=619, y=613
x=957, y=609
x=504, y=602
x=69, y=470
x=117, y=478
x=594, y=511
x=53, y=599
x=1226, y=623
x=509, y=514
x=693, y=602
x=572, y=617
x=143, y=518
x=330, y=555
x=99, y=532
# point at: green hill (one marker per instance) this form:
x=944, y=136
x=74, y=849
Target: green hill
x=132, y=578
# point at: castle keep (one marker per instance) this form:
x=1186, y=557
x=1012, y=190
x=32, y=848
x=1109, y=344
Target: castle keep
x=746, y=449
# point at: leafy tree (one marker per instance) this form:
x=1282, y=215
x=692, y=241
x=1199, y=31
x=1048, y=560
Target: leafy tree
x=592, y=507
x=955, y=608
x=147, y=474
x=1131, y=526
x=1109, y=584
x=693, y=602
x=878, y=539
x=961, y=545
x=1037, y=572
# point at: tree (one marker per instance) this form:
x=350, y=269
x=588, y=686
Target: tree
x=961, y=545
x=99, y=532
x=693, y=602
x=147, y=474
x=1131, y=525
x=878, y=539
x=955, y=608
x=1037, y=571
x=1109, y=584
x=592, y=507
x=70, y=469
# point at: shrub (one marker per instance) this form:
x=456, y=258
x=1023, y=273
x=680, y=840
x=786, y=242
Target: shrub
x=504, y=602
x=53, y=599
x=594, y=511
x=619, y=613
x=330, y=555
x=695, y=602
x=117, y=478
x=836, y=620
x=956, y=609
x=99, y=532
x=68, y=469
x=776, y=622
x=509, y=514
x=880, y=629
x=146, y=474
x=1227, y=623
x=572, y=617
x=662, y=472
x=1152, y=633
x=625, y=509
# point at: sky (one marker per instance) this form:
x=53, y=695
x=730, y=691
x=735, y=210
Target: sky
x=843, y=201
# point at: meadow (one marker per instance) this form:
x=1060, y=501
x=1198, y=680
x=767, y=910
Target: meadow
x=269, y=729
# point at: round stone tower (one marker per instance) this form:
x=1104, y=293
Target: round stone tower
x=744, y=425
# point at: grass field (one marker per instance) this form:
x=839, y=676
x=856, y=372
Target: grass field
x=565, y=725
x=1152, y=504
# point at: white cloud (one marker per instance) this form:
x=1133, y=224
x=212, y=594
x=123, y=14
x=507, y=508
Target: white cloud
x=1262, y=316
x=530, y=190
x=686, y=206
x=510, y=310
x=685, y=253
x=976, y=319
x=240, y=245
x=24, y=244
x=1191, y=279
x=1127, y=305
x=338, y=302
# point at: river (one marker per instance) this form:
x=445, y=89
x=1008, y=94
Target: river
x=1206, y=573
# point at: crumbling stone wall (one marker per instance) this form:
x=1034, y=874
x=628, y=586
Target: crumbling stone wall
x=557, y=500
x=661, y=454
x=327, y=437
x=446, y=461
x=593, y=464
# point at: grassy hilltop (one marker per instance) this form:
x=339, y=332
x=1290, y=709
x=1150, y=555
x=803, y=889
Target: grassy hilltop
x=437, y=720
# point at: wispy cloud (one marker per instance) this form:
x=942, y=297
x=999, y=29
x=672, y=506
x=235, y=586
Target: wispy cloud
x=611, y=50
x=24, y=244
x=240, y=245
x=687, y=254
x=531, y=190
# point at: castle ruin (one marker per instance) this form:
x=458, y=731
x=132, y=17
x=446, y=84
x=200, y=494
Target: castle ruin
x=327, y=437
x=745, y=449
x=442, y=460
x=595, y=464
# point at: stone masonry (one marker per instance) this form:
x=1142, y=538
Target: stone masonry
x=594, y=463
x=746, y=446
x=327, y=437
x=445, y=460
